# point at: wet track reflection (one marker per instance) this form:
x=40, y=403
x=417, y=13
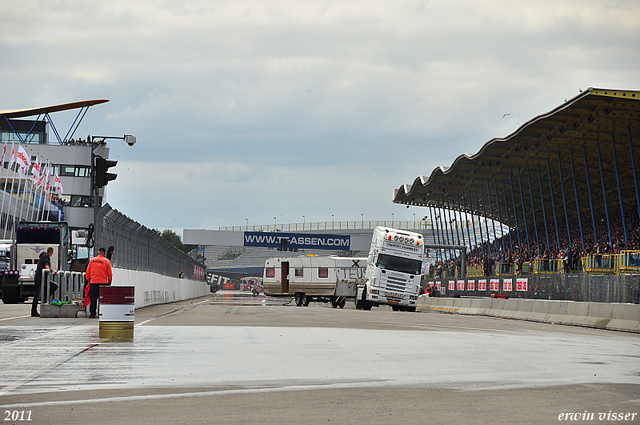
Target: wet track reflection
x=248, y=299
x=49, y=356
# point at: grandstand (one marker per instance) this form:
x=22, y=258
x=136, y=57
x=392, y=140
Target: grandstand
x=564, y=179
x=566, y=186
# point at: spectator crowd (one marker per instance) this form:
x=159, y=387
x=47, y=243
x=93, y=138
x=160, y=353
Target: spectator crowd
x=508, y=249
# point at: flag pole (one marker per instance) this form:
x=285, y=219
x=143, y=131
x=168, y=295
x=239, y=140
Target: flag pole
x=32, y=196
x=41, y=202
x=4, y=190
x=13, y=180
x=24, y=169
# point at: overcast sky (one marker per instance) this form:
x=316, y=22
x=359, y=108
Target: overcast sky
x=249, y=110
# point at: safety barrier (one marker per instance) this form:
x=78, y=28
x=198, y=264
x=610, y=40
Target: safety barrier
x=69, y=292
x=475, y=271
x=628, y=262
x=544, y=266
x=153, y=288
x=599, y=263
x=140, y=248
x=505, y=269
x=69, y=285
x=611, y=316
x=561, y=286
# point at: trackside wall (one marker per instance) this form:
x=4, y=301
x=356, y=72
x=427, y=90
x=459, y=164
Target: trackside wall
x=612, y=316
x=152, y=288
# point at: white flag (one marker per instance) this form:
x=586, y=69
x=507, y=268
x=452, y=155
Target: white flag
x=58, y=185
x=42, y=176
x=47, y=180
x=4, y=153
x=23, y=160
x=36, y=170
x=12, y=157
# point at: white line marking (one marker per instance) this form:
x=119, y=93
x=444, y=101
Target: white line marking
x=13, y=318
x=197, y=394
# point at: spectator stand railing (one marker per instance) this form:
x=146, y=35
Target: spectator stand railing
x=475, y=271
x=547, y=266
x=628, y=262
x=505, y=269
x=599, y=263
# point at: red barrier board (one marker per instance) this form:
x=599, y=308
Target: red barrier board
x=482, y=284
x=507, y=285
x=494, y=284
x=522, y=284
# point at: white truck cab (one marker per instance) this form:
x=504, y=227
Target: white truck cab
x=394, y=270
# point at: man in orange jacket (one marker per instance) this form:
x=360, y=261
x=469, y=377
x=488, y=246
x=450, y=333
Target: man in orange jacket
x=98, y=273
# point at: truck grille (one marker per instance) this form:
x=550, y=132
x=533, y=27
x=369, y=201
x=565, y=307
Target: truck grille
x=393, y=283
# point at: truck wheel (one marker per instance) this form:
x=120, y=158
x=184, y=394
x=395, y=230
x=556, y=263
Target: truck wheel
x=334, y=302
x=11, y=294
x=395, y=308
x=365, y=304
x=305, y=300
x=298, y=297
x=411, y=309
x=342, y=302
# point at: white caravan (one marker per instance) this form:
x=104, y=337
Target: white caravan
x=311, y=278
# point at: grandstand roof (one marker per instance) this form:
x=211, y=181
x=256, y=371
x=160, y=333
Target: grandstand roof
x=30, y=112
x=600, y=126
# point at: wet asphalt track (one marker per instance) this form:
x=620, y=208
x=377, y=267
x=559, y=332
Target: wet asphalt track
x=230, y=358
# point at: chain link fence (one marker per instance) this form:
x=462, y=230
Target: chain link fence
x=140, y=248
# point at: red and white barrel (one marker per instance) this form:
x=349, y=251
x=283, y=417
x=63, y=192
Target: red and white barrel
x=117, y=309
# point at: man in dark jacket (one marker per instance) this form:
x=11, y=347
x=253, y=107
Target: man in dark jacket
x=44, y=262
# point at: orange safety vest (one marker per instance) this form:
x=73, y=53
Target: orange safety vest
x=99, y=271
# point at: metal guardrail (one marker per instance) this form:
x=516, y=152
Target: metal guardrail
x=547, y=266
x=475, y=271
x=628, y=262
x=599, y=263
x=70, y=286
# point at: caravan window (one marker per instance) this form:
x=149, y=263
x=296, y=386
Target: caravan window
x=299, y=272
x=270, y=272
x=323, y=272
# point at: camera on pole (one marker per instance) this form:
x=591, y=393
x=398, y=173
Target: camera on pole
x=102, y=165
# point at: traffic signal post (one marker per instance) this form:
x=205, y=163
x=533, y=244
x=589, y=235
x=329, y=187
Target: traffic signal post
x=102, y=165
x=100, y=175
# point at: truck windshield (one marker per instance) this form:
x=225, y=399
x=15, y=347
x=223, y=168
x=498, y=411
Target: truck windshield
x=41, y=235
x=399, y=264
